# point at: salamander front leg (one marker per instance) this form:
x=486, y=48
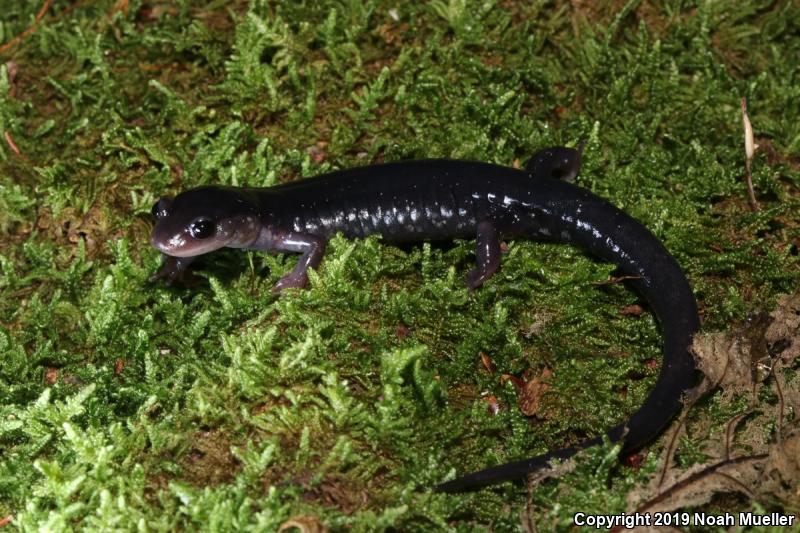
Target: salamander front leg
x=172, y=269
x=311, y=246
x=488, y=255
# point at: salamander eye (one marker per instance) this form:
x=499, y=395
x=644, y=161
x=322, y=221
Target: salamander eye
x=160, y=208
x=202, y=228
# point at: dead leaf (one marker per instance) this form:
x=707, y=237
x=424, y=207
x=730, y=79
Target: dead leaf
x=392, y=33
x=756, y=452
x=518, y=383
x=632, y=310
x=305, y=524
x=652, y=364
x=697, y=485
x=150, y=13
x=725, y=359
x=488, y=364
x=50, y=375
x=635, y=460
x=494, y=405
x=783, y=334
x=782, y=472
x=401, y=331
x=531, y=394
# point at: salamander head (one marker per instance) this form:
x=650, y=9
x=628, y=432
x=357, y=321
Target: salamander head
x=202, y=220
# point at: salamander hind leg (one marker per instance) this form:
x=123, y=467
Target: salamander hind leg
x=556, y=162
x=488, y=255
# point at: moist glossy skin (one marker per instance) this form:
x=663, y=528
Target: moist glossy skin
x=442, y=199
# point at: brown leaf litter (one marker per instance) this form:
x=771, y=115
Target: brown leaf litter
x=756, y=453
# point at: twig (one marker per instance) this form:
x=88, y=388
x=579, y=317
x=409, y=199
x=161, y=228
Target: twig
x=744, y=488
x=729, y=429
x=700, y=475
x=781, y=402
x=671, y=446
x=749, y=150
x=781, y=406
x=13, y=42
x=526, y=515
x=11, y=143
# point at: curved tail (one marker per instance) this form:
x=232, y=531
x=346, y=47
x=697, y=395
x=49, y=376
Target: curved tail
x=579, y=217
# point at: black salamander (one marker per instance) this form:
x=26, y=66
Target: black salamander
x=443, y=199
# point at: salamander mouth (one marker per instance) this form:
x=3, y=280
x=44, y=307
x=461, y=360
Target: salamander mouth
x=182, y=244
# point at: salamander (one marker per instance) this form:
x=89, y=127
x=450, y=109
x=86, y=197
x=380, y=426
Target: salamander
x=445, y=199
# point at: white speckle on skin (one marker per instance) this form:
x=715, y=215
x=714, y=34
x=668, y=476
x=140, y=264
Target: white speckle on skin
x=177, y=241
x=588, y=227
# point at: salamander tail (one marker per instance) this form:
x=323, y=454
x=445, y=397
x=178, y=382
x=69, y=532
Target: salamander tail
x=611, y=235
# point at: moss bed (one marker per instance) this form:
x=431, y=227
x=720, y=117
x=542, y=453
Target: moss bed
x=126, y=405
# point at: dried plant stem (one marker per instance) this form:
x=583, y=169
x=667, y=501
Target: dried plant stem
x=13, y=42
x=708, y=471
x=749, y=149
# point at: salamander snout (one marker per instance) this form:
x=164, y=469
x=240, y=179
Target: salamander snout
x=197, y=236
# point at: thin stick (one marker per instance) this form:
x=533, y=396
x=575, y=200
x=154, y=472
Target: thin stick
x=42, y=12
x=12, y=144
x=710, y=470
x=781, y=402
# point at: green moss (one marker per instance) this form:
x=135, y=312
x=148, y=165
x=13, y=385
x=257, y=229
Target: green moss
x=125, y=404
